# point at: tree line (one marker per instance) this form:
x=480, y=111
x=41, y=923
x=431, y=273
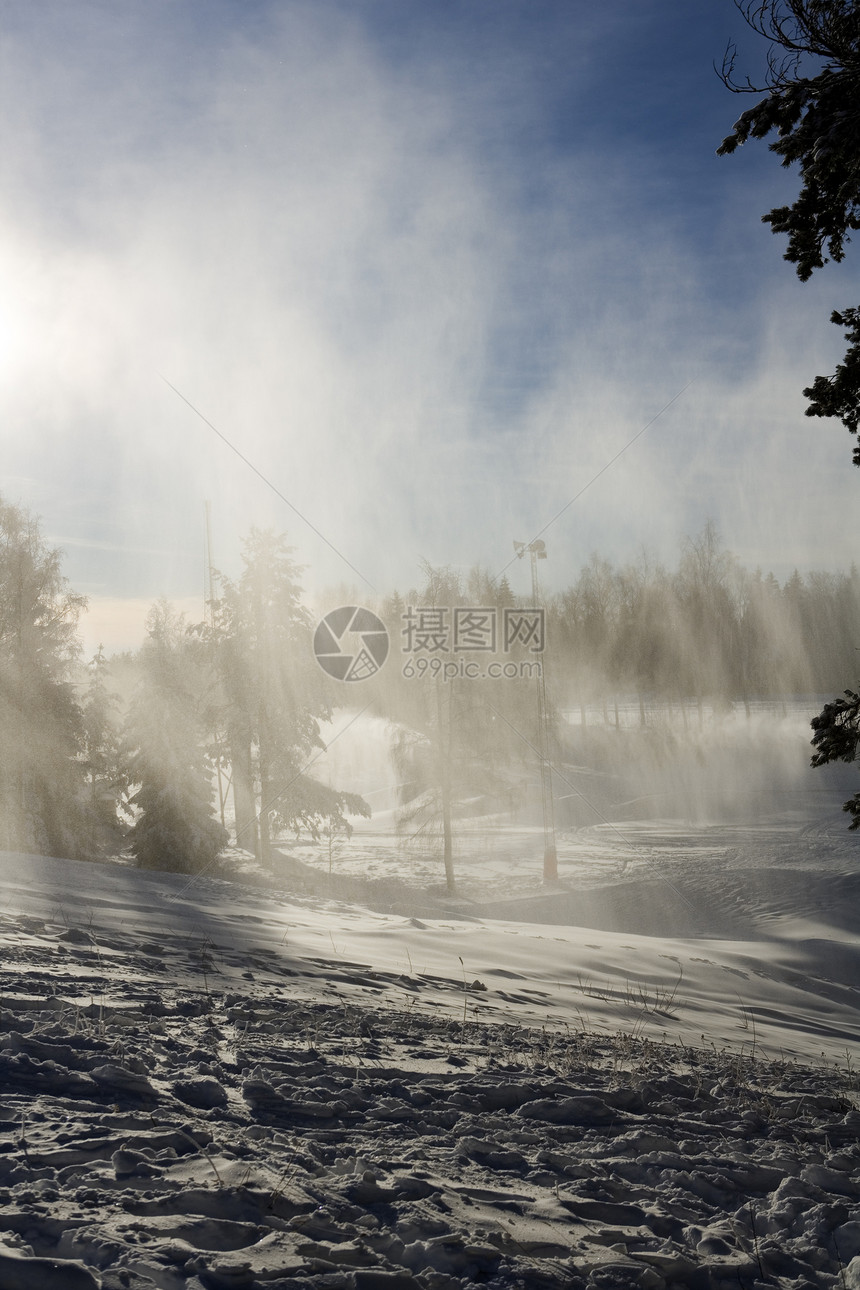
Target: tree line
x=218, y=722
x=707, y=630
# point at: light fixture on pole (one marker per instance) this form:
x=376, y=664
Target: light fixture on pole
x=537, y=551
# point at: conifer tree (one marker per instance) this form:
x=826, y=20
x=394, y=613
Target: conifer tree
x=169, y=767
x=812, y=104
x=837, y=738
x=101, y=756
x=275, y=698
x=41, y=778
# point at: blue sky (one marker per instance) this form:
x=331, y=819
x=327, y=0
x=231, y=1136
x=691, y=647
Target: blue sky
x=428, y=264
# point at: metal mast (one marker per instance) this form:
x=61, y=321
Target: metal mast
x=537, y=551
x=210, y=585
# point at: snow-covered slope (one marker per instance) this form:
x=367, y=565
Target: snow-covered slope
x=212, y=1084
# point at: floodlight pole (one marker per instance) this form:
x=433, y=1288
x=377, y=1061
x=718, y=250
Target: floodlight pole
x=537, y=551
x=209, y=587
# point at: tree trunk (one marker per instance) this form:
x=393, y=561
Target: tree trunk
x=247, y=834
x=265, y=844
x=445, y=789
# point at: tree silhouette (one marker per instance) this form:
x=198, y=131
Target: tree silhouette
x=41, y=778
x=275, y=698
x=812, y=103
x=168, y=764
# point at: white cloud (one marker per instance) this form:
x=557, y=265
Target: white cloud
x=322, y=258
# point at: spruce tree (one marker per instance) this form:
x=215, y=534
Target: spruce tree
x=811, y=104
x=275, y=697
x=169, y=767
x=101, y=757
x=41, y=778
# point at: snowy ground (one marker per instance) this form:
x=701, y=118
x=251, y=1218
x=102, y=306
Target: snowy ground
x=642, y=1077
